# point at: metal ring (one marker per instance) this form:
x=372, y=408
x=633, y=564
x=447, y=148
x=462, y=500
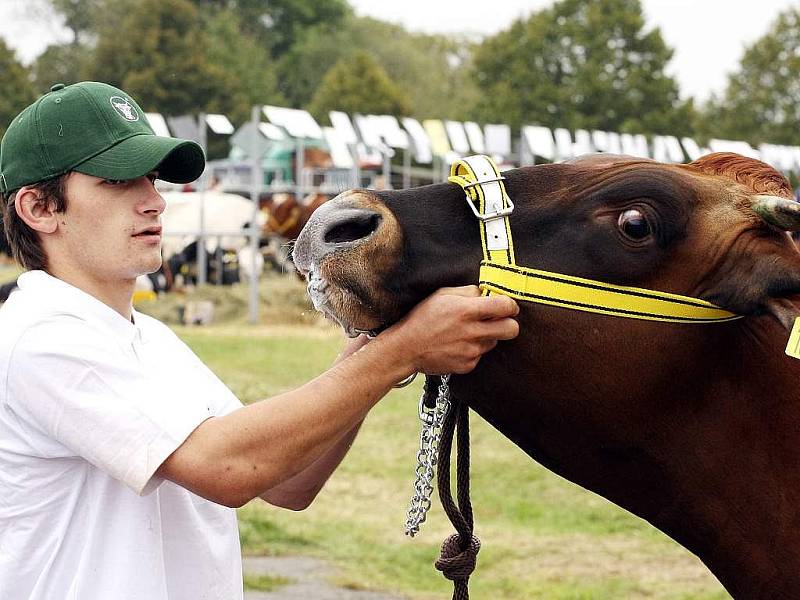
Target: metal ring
x=406, y=381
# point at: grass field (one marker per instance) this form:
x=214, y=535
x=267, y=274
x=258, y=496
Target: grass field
x=542, y=536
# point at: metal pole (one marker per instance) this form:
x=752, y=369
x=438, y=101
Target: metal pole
x=406, y=168
x=299, y=166
x=355, y=172
x=387, y=168
x=255, y=193
x=202, y=265
x=357, y=168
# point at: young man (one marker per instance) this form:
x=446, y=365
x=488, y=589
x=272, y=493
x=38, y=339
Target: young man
x=121, y=454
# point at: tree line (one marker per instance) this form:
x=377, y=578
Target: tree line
x=579, y=64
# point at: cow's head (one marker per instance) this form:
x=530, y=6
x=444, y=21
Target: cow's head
x=702, y=230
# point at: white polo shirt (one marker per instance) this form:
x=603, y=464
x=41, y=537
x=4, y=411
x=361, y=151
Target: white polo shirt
x=90, y=405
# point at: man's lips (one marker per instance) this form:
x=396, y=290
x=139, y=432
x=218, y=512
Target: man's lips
x=152, y=233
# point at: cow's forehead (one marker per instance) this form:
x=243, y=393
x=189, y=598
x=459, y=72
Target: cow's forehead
x=591, y=175
x=602, y=160
x=596, y=171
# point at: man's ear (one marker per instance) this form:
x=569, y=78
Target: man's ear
x=36, y=211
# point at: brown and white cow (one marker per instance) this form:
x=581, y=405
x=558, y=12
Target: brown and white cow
x=695, y=428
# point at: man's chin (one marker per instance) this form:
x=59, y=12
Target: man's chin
x=149, y=267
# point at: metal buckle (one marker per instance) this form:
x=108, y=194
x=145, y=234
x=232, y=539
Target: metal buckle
x=474, y=183
x=498, y=214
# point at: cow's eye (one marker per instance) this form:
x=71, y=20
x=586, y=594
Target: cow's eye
x=634, y=224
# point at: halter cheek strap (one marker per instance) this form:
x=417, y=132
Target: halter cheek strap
x=486, y=195
x=482, y=183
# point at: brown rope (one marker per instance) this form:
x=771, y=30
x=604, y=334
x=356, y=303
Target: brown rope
x=459, y=551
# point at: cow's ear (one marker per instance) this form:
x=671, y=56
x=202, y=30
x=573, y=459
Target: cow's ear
x=785, y=310
x=758, y=176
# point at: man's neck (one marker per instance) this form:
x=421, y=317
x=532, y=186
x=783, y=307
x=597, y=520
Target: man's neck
x=117, y=293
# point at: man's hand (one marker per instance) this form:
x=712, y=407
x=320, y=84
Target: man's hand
x=450, y=330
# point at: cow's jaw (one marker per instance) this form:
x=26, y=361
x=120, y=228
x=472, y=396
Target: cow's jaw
x=340, y=305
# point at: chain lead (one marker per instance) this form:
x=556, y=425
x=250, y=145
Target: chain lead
x=432, y=421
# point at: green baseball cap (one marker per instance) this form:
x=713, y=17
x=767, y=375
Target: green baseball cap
x=92, y=128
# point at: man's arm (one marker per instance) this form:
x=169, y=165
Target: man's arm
x=237, y=457
x=298, y=492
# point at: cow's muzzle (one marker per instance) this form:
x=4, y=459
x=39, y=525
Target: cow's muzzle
x=345, y=251
x=338, y=225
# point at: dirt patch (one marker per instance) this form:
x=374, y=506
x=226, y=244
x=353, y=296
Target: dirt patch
x=310, y=579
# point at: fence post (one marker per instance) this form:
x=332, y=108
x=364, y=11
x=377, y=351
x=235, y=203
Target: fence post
x=202, y=263
x=299, y=167
x=406, y=168
x=255, y=194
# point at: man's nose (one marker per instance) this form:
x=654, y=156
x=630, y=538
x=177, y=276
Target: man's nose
x=152, y=203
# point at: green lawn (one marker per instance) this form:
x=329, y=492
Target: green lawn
x=542, y=536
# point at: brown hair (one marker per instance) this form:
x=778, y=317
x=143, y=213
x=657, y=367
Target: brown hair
x=760, y=177
x=24, y=241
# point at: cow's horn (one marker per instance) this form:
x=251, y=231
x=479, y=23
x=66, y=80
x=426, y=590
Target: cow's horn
x=780, y=212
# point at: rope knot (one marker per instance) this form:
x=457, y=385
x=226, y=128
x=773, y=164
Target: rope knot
x=456, y=562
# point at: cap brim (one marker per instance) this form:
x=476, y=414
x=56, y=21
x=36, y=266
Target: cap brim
x=177, y=161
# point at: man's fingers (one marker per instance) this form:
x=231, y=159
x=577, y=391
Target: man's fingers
x=487, y=345
x=497, y=307
x=467, y=291
x=499, y=329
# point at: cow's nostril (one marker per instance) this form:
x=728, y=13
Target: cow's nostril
x=355, y=228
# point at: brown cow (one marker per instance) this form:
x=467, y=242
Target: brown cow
x=695, y=428
x=286, y=216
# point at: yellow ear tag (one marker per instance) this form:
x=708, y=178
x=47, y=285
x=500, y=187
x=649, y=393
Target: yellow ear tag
x=793, y=345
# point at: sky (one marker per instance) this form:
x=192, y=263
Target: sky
x=708, y=36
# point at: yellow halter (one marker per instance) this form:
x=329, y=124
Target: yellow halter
x=499, y=274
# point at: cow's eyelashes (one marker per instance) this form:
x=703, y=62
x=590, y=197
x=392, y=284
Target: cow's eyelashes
x=634, y=225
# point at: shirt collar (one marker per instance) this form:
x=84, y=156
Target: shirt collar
x=72, y=300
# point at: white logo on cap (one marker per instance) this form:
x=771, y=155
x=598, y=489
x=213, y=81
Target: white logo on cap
x=124, y=108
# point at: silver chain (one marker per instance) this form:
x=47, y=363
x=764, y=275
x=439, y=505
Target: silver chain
x=432, y=422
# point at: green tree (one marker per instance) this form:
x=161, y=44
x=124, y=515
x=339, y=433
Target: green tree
x=80, y=17
x=16, y=92
x=62, y=63
x=358, y=85
x=278, y=24
x=581, y=64
x=248, y=65
x=158, y=53
x=761, y=102
x=431, y=70
x=83, y=18
x=70, y=61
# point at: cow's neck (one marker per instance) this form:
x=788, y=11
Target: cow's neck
x=743, y=501
x=708, y=451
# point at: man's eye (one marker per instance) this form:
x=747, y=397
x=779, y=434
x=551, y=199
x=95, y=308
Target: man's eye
x=115, y=181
